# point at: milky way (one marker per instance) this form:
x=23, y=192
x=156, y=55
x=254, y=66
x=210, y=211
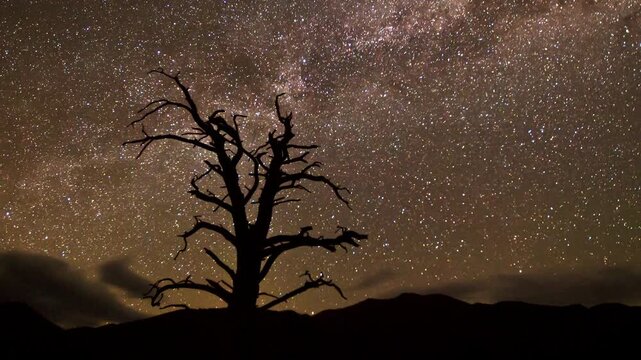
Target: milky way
x=478, y=137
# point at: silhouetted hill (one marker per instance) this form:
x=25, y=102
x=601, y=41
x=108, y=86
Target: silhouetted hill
x=22, y=328
x=210, y=332
x=17, y=317
x=410, y=325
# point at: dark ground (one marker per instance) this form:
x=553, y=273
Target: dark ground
x=409, y=326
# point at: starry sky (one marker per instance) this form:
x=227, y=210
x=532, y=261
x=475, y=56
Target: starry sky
x=481, y=139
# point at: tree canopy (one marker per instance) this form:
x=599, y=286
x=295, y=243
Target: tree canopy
x=279, y=168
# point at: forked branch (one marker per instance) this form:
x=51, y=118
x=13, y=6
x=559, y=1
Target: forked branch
x=209, y=197
x=157, y=291
x=311, y=283
x=280, y=243
x=293, y=179
x=149, y=139
x=201, y=224
x=277, y=245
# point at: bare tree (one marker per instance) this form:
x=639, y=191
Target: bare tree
x=279, y=168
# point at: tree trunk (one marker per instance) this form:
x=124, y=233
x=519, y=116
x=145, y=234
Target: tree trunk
x=246, y=284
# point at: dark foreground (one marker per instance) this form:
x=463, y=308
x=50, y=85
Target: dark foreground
x=409, y=326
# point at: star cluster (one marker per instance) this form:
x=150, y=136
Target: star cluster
x=478, y=137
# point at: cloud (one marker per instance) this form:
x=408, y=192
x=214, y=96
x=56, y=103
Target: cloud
x=374, y=279
x=58, y=291
x=117, y=273
x=595, y=286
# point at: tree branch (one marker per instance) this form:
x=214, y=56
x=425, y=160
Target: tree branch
x=311, y=283
x=299, y=158
x=190, y=106
x=267, y=295
x=157, y=290
x=162, y=103
x=278, y=244
x=294, y=187
x=281, y=201
x=209, y=197
x=281, y=243
x=302, y=147
x=220, y=263
x=213, y=167
x=199, y=225
x=193, y=109
x=148, y=139
x=268, y=265
x=303, y=175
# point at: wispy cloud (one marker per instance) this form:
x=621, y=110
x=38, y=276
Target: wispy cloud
x=116, y=272
x=58, y=291
x=588, y=287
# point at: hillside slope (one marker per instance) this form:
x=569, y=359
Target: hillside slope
x=425, y=326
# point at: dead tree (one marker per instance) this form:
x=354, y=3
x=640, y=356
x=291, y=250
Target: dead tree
x=279, y=168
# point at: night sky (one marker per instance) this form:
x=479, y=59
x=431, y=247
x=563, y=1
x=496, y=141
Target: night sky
x=485, y=142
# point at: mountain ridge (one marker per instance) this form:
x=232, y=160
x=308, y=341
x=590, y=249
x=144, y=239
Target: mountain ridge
x=436, y=326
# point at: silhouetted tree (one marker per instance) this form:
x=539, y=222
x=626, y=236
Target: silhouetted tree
x=278, y=168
